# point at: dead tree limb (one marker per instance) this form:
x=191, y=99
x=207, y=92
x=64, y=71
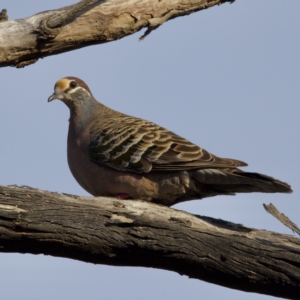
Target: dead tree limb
x=136, y=233
x=86, y=23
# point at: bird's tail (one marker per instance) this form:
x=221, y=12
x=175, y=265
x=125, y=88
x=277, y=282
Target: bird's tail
x=230, y=181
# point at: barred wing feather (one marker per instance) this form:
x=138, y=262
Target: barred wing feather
x=140, y=146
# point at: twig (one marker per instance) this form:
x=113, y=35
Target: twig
x=281, y=217
x=3, y=15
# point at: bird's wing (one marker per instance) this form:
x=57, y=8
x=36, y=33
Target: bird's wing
x=140, y=146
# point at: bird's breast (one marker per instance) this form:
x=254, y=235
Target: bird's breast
x=100, y=180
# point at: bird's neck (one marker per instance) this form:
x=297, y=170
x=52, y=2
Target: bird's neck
x=81, y=116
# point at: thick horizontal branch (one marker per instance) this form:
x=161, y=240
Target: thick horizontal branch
x=98, y=22
x=136, y=233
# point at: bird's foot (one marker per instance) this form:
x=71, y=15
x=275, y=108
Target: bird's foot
x=122, y=196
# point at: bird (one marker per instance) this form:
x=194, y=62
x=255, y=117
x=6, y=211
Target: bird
x=116, y=155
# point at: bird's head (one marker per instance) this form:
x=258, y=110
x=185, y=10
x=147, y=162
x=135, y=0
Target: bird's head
x=72, y=91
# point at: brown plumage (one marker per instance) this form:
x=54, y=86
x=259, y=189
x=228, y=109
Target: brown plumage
x=113, y=154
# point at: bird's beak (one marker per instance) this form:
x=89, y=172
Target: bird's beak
x=55, y=95
x=52, y=97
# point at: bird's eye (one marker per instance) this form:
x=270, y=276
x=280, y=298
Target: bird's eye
x=73, y=84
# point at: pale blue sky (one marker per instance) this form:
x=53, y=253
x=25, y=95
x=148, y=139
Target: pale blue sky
x=226, y=78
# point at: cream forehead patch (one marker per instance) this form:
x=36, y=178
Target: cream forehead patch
x=62, y=84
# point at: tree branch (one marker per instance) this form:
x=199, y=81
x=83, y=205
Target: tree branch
x=86, y=23
x=136, y=233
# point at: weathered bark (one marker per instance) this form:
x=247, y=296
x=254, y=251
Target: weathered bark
x=135, y=233
x=24, y=41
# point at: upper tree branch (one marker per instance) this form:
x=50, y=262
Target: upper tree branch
x=80, y=25
x=135, y=233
